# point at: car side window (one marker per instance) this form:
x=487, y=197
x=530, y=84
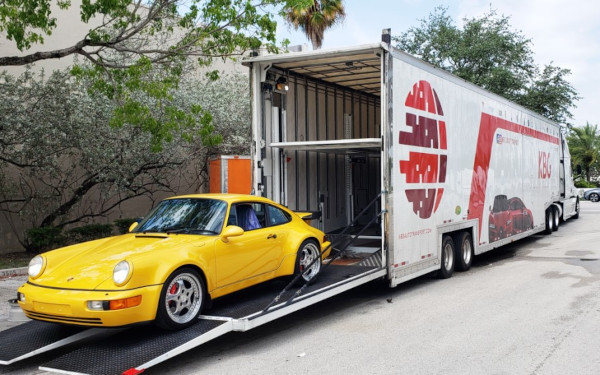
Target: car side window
x=259, y=208
x=232, y=216
x=277, y=216
x=249, y=216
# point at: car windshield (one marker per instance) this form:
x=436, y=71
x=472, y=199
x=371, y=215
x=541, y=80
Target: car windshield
x=185, y=215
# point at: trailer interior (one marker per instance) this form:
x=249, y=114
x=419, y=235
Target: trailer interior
x=319, y=144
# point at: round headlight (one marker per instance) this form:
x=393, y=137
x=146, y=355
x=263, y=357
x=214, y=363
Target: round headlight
x=121, y=272
x=36, y=266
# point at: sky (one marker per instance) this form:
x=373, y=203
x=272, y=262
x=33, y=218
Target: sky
x=564, y=33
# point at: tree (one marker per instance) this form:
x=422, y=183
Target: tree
x=486, y=52
x=62, y=164
x=584, y=145
x=315, y=17
x=138, y=49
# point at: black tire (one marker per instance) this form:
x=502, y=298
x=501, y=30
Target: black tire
x=463, y=244
x=594, y=197
x=448, y=253
x=181, y=300
x=577, y=208
x=308, y=251
x=555, y=218
x=549, y=220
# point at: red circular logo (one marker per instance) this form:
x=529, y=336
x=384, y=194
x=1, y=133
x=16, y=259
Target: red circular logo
x=426, y=164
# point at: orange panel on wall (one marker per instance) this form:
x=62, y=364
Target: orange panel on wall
x=239, y=180
x=230, y=174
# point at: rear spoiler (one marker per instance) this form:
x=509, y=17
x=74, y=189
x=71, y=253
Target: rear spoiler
x=307, y=216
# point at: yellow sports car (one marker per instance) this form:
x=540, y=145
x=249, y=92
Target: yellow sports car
x=189, y=249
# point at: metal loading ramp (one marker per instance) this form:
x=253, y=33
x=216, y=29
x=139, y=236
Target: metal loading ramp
x=34, y=337
x=136, y=349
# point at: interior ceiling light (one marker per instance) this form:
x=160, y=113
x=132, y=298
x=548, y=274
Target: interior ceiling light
x=281, y=84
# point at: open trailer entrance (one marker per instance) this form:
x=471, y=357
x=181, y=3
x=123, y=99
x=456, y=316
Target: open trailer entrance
x=319, y=144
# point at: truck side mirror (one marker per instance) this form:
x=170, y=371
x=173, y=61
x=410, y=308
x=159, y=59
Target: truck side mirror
x=578, y=169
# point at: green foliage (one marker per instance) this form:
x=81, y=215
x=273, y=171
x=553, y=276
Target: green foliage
x=584, y=145
x=314, y=17
x=139, y=51
x=583, y=184
x=123, y=225
x=26, y=22
x=63, y=164
x=43, y=239
x=486, y=52
x=88, y=232
x=14, y=260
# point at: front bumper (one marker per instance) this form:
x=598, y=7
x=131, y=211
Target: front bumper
x=70, y=306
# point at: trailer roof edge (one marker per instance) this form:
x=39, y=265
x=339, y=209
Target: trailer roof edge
x=309, y=55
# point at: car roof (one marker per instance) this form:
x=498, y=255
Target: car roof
x=225, y=197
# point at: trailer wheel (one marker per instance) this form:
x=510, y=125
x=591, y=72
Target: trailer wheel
x=549, y=220
x=576, y=216
x=464, y=251
x=555, y=218
x=307, y=253
x=447, y=262
x=181, y=300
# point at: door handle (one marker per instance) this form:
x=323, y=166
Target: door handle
x=271, y=236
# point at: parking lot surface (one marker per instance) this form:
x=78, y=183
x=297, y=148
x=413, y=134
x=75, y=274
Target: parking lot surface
x=532, y=307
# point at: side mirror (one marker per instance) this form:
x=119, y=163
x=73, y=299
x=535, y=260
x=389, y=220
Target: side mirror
x=231, y=231
x=133, y=226
x=578, y=168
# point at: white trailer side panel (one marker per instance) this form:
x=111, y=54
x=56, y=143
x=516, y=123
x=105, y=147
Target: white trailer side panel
x=462, y=157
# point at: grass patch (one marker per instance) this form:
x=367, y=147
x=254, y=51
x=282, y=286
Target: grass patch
x=14, y=260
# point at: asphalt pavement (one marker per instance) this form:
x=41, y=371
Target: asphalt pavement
x=531, y=307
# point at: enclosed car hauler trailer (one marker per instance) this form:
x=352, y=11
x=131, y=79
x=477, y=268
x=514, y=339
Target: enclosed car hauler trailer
x=461, y=170
x=426, y=169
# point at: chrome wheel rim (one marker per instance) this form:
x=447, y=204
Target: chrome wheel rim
x=448, y=257
x=183, y=298
x=466, y=251
x=594, y=197
x=308, y=254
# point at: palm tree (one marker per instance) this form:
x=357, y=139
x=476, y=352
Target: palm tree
x=316, y=18
x=584, y=145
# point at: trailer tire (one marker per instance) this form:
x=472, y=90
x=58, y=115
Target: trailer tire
x=181, y=300
x=549, y=220
x=447, y=258
x=308, y=251
x=463, y=243
x=555, y=218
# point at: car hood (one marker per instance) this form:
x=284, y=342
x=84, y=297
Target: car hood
x=87, y=265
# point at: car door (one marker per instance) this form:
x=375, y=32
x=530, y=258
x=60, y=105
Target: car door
x=252, y=255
